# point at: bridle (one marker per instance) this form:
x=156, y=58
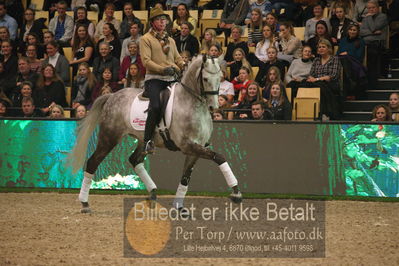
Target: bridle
x=203, y=93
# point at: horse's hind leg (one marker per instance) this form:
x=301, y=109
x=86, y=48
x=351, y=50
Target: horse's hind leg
x=206, y=153
x=105, y=144
x=181, y=191
x=137, y=159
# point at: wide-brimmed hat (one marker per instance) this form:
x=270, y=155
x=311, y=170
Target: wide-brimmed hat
x=156, y=12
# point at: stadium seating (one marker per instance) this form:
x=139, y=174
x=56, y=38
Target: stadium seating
x=306, y=104
x=210, y=19
x=42, y=14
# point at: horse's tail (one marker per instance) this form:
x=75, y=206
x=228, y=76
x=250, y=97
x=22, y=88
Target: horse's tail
x=78, y=155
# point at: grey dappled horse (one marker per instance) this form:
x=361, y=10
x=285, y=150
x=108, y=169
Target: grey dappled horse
x=190, y=129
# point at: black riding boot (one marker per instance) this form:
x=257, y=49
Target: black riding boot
x=150, y=125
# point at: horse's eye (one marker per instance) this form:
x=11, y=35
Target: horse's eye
x=205, y=79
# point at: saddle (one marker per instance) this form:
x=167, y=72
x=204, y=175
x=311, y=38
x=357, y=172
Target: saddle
x=139, y=115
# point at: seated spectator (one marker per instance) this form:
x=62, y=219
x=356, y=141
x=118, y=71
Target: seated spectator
x=374, y=32
x=134, y=37
x=127, y=22
x=239, y=61
x=186, y=41
x=83, y=86
x=272, y=61
x=34, y=63
x=272, y=21
x=273, y=76
x=135, y=58
x=56, y=112
x=325, y=73
x=31, y=25
x=217, y=115
x=7, y=21
x=393, y=15
x=310, y=27
x=215, y=51
x=105, y=60
x=5, y=36
x=183, y=15
x=394, y=106
x=234, y=13
x=352, y=44
x=351, y=53
x=48, y=37
x=58, y=61
x=381, y=113
x=248, y=97
x=348, y=7
x=262, y=46
x=236, y=32
x=264, y=6
x=51, y=6
x=208, y=40
x=255, y=26
x=339, y=25
x=26, y=89
x=111, y=37
x=241, y=83
x=360, y=10
x=226, y=87
x=28, y=107
x=62, y=25
x=104, y=85
x=32, y=39
x=225, y=104
x=9, y=59
x=24, y=74
x=81, y=19
x=173, y=4
x=258, y=110
x=186, y=56
x=278, y=107
x=50, y=89
x=133, y=79
x=109, y=18
x=299, y=71
x=82, y=48
x=290, y=47
x=80, y=112
x=321, y=33
x=3, y=106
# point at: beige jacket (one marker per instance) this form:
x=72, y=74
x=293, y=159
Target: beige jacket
x=154, y=59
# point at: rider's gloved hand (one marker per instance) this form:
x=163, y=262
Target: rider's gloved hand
x=169, y=71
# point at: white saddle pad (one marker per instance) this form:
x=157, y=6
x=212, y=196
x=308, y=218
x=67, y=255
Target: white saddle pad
x=138, y=116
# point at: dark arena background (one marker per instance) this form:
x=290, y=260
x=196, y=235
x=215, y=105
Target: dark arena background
x=308, y=161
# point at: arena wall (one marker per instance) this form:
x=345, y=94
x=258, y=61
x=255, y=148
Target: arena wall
x=267, y=157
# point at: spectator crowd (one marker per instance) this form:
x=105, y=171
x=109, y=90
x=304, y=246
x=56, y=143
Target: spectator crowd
x=66, y=60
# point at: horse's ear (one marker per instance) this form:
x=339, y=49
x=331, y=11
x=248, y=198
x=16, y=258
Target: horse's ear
x=204, y=57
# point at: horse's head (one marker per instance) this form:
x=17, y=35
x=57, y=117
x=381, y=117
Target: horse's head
x=210, y=81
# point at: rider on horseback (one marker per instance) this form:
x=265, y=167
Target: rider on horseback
x=162, y=61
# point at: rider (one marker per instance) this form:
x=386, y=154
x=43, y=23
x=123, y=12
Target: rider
x=162, y=61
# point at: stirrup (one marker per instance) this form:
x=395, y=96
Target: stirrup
x=149, y=148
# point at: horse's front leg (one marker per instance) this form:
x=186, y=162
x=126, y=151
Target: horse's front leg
x=137, y=161
x=195, y=149
x=181, y=191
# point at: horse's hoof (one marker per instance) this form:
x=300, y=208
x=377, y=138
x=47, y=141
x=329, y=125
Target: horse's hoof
x=184, y=213
x=236, y=197
x=85, y=210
